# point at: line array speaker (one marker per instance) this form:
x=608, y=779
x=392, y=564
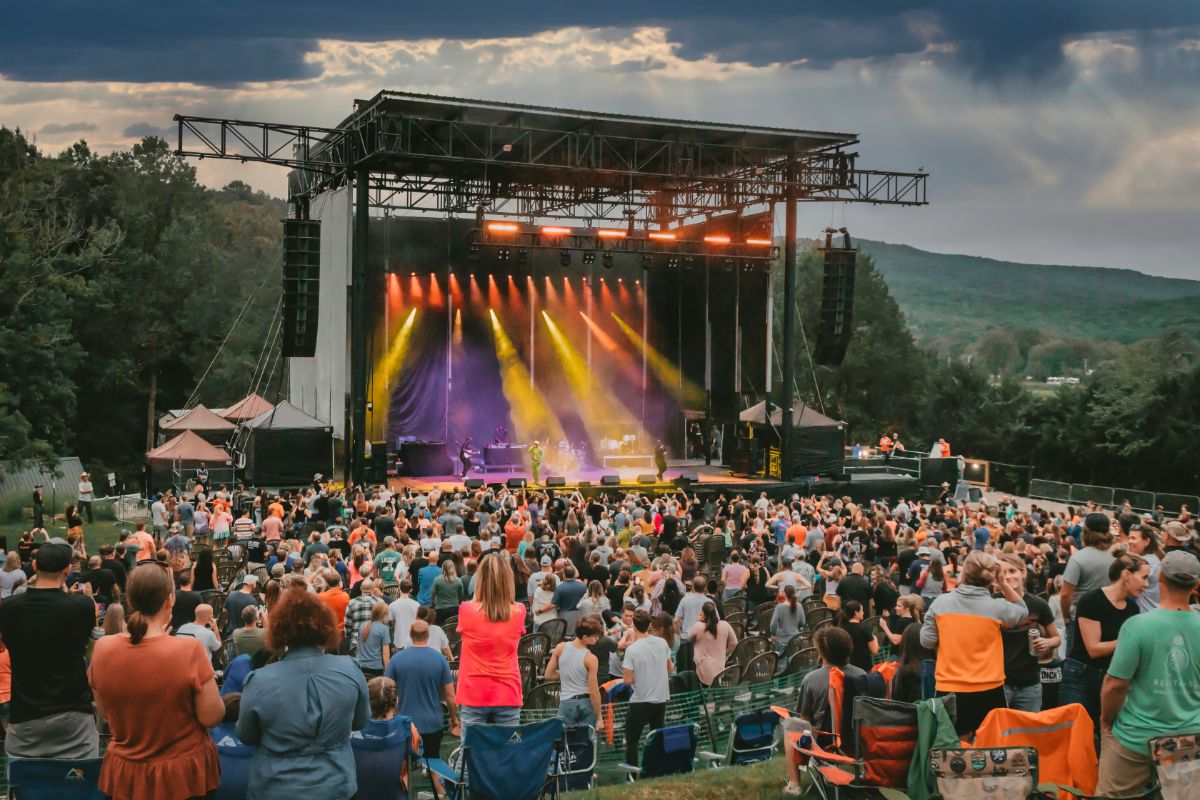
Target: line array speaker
x=837, y=305
x=301, y=286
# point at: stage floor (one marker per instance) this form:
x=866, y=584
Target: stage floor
x=709, y=477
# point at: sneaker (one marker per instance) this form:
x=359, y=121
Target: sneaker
x=791, y=789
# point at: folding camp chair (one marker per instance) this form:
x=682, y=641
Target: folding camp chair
x=1177, y=762
x=751, y=739
x=380, y=762
x=982, y=774
x=667, y=751
x=54, y=779
x=487, y=769
x=234, y=758
x=576, y=766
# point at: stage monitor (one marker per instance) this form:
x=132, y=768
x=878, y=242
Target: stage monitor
x=647, y=478
x=516, y=483
x=687, y=478
x=473, y=483
x=555, y=480
x=610, y=480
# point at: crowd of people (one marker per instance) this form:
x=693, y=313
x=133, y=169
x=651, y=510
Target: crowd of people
x=351, y=612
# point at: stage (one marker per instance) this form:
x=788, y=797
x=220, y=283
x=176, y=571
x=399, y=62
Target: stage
x=701, y=479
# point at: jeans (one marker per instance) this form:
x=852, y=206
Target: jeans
x=728, y=593
x=490, y=715
x=577, y=711
x=1081, y=684
x=637, y=718
x=1024, y=698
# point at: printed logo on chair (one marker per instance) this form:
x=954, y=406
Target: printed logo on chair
x=74, y=774
x=516, y=738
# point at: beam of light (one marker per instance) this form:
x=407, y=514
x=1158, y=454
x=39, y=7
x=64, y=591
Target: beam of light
x=493, y=293
x=388, y=367
x=630, y=370
x=604, y=340
x=395, y=295
x=516, y=302
x=606, y=297
x=689, y=395
x=474, y=292
x=415, y=292
x=599, y=409
x=457, y=327
x=533, y=290
x=551, y=292
x=456, y=295
x=623, y=292
x=568, y=293
x=531, y=415
x=437, y=298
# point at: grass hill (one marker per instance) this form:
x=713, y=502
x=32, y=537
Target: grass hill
x=952, y=301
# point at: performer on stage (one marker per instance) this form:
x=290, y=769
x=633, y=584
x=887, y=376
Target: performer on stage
x=660, y=459
x=501, y=434
x=464, y=455
x=536, y=456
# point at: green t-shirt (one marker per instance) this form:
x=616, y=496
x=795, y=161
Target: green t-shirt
x=1159, y=654
x=385, y=566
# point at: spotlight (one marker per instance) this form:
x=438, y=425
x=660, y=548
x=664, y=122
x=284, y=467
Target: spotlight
x=688, y=262
x=503, y=254
x=522, y=255
x=589, y=257
x=564, y=258
x=728, y=264
x=608, y=260
x=647, y=261
x=672, y=261
x=473, y=252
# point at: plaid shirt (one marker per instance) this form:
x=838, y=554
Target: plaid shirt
x=358, y=613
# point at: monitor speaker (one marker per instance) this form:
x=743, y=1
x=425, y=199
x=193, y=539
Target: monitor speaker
x=556, y=480
x=687, y=478
x=584, y=484
x=647, y=478
x=836, y=324
x=516, y=483
x=473, y=483
x=301, y=287
x=610, y=480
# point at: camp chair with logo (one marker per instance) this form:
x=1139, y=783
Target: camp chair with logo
x=751, y=739
x=611, y=693
x=234, y=758
x=487, y=769
x=1003, y=773
x=1177, y=762
x=576, y=766
x=667, y=751
x=382, y=762
x=54, y=779
x=1063, y=738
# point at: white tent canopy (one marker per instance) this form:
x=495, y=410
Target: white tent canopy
x=803, y=416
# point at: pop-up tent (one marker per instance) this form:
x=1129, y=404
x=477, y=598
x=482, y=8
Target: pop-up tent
x=287, y=447
x=818, y=441
x=202, y=422
x=247, y=408
x=187, y=451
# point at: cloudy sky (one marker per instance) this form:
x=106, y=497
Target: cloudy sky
x=1056, y=131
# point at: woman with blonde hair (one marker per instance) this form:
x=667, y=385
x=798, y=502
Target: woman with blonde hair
x=909, y=610
x=114, y=620
x=448, y=591
x=491, y=625
x=963, y=627
x=12, y=575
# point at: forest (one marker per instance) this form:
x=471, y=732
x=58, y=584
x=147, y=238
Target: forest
x=121, y=277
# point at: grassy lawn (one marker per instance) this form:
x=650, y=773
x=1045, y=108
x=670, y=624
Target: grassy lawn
x=100, y=532
x=761, y=780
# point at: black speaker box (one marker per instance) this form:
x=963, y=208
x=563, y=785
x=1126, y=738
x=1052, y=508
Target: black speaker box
x=610, y=480
x=687, y=478
x=836, y=324
x=516, y=483
x=301, y=287
x=556, y=480
x=648, y=478
x=473, y=483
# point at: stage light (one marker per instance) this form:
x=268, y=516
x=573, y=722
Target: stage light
x=689, y=394
x=728, y=263
x=564, y=258
x=759, y=242
x=503, y=227
x=608, y=260
x=673, y=261
x=611, y=233
x=522, y=255
x=555, y=230
x=647, y=261
x=661, y=236
x=502, y=254
x=473, y=252
x=413, y=274
x=688, y=262
x=717, y=238
x=589, y=257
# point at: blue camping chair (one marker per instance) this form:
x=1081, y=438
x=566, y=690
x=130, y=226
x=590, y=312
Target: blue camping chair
x=668, y=751
x=577, y=762
x=234, y=758
x=382, y=750
x=54, y=779
x=752, y=739
x=486, y=769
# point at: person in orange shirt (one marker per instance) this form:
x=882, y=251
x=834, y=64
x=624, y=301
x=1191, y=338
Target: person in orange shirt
x=5, y=685
x=796, y=532
x=276, y=508
x=945, y=449
x=514, y=532
x=885, y=446
x=336, y=598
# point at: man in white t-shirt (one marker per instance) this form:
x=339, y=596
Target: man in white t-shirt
x=203, y=629
x=86, y=496
x=158, y=517
x=647, y=667
x=402, y=612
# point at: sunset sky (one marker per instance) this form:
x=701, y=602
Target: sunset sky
x=1057, y=131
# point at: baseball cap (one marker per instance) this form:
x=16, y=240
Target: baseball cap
x=922, y=551
x=1181, y=568
x=1177, y=531
x=1096, y=521
x=250, y=578
x=53, y=556
x=546, y=561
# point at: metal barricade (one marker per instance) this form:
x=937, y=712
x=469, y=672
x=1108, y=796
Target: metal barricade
x=1100, y=495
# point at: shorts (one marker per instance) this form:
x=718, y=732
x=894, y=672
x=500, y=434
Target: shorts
x=5, y=712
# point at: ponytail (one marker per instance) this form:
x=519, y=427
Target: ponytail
x=848, y=610
x=136, y=625
x=789, y=592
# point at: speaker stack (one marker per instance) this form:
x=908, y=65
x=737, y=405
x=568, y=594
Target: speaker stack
x=837, y=300
x=301, y=286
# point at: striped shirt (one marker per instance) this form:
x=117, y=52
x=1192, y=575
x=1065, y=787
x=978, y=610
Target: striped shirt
x=243, y=528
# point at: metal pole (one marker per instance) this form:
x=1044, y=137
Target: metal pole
x=358, y=326
x=789, y=323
